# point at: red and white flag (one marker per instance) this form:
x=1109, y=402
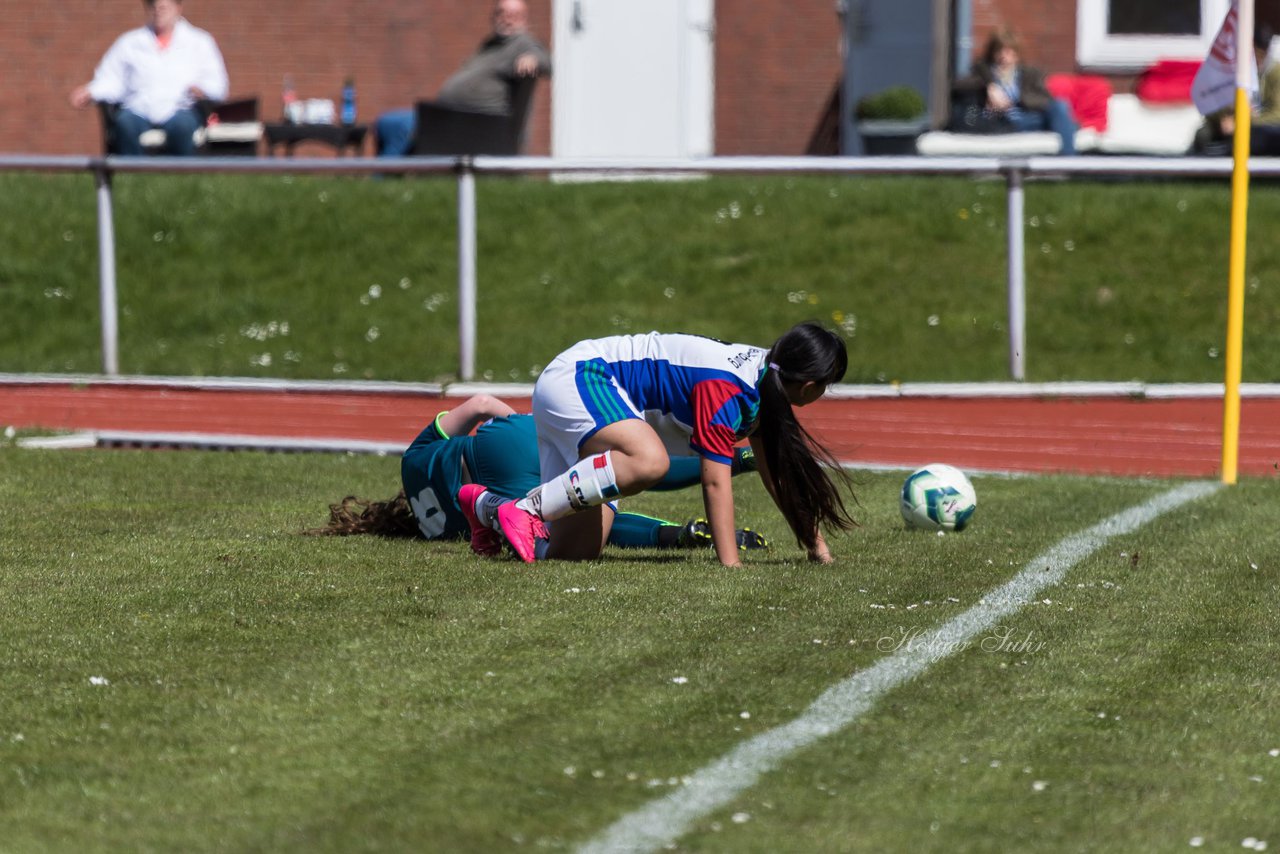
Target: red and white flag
x=1214, y=86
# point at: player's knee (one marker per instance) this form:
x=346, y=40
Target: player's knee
x=650, y=466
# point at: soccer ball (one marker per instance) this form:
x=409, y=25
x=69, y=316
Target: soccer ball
x=938, y=497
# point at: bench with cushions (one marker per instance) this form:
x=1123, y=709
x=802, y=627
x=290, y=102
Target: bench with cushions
x=1133, y=127
x=1158, y=120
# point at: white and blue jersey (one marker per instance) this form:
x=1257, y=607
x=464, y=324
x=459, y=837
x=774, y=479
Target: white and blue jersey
x=700, y=395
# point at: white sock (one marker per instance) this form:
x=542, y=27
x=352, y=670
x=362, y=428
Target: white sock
x=487, y=504
x=587, y=483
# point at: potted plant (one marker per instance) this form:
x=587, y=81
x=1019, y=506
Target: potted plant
x=889, y=121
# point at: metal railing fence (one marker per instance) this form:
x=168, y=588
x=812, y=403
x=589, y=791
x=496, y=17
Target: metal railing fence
x=1015, y=171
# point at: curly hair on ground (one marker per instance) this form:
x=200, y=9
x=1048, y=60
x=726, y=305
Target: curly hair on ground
x=352, y=515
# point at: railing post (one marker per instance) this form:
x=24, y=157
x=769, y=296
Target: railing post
x=466, y=270
x=107, y=302
x=1017, y=276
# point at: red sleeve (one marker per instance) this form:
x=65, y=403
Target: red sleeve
x=716, y=418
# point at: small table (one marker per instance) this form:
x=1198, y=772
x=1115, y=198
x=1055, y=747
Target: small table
x=340, y=137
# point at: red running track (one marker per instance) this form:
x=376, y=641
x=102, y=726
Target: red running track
x=1090, y=435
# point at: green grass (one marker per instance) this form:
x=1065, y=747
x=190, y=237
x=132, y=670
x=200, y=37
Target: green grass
x=352, y=278
x=267, y=691
x=273, y=692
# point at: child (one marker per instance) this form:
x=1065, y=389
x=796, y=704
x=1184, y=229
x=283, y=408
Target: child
x=446, y=456
x=610, y=410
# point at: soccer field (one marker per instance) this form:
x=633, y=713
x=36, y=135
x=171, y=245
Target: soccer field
x=1091, y=666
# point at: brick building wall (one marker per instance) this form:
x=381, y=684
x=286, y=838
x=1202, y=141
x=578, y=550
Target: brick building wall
x=397, y=51
x=777, y=62
x=1047, y=30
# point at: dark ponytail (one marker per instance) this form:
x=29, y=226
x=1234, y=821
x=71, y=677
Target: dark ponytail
x=800, y=467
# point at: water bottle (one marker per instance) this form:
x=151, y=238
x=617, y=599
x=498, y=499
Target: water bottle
x=288, y=99
x=348, y=114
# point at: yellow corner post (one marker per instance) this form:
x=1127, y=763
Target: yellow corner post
x=1235, y=289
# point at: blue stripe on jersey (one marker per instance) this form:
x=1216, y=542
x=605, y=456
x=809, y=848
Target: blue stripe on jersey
x=599, y=393
x=657, y=384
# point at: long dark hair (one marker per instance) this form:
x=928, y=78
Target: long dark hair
x=351, y=515
x=999, y=40
x=800, y=467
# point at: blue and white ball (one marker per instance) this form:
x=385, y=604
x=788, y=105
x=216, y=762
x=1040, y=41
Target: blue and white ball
x=938, y=497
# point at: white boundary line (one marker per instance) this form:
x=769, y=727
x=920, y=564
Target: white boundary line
x=663, y=821
x=211, y=442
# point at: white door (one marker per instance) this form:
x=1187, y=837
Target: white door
x=632, y=78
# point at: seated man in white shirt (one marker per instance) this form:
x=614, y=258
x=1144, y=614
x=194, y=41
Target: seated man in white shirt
x=156, y=74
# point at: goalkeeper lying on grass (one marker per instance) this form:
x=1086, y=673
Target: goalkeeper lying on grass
x=502, y=453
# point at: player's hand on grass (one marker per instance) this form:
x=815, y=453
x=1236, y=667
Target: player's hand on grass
x=820, y=553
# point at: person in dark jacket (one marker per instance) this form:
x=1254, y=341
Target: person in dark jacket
x=481, y=84
x=1016, y=94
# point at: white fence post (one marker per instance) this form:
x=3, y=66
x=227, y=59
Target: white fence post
x=107, y=274
x=1017, y=277
x=466, y=270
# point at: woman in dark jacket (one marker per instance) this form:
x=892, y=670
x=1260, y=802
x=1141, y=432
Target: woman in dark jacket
x=1017, y=95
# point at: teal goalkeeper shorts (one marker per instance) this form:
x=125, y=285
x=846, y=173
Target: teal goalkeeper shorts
x=502, y=455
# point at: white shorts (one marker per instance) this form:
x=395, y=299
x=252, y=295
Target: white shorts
x=564, y=419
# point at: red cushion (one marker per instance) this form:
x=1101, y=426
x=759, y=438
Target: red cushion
x=1087, y=96
x=1168, y=81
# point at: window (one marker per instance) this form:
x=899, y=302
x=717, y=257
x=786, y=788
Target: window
x=1135, y=33
x=1139, y=17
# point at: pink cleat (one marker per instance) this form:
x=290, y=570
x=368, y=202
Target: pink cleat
x=484, y=541
x=521, y=529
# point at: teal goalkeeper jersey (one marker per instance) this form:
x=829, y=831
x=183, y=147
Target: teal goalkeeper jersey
x=502, y=455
